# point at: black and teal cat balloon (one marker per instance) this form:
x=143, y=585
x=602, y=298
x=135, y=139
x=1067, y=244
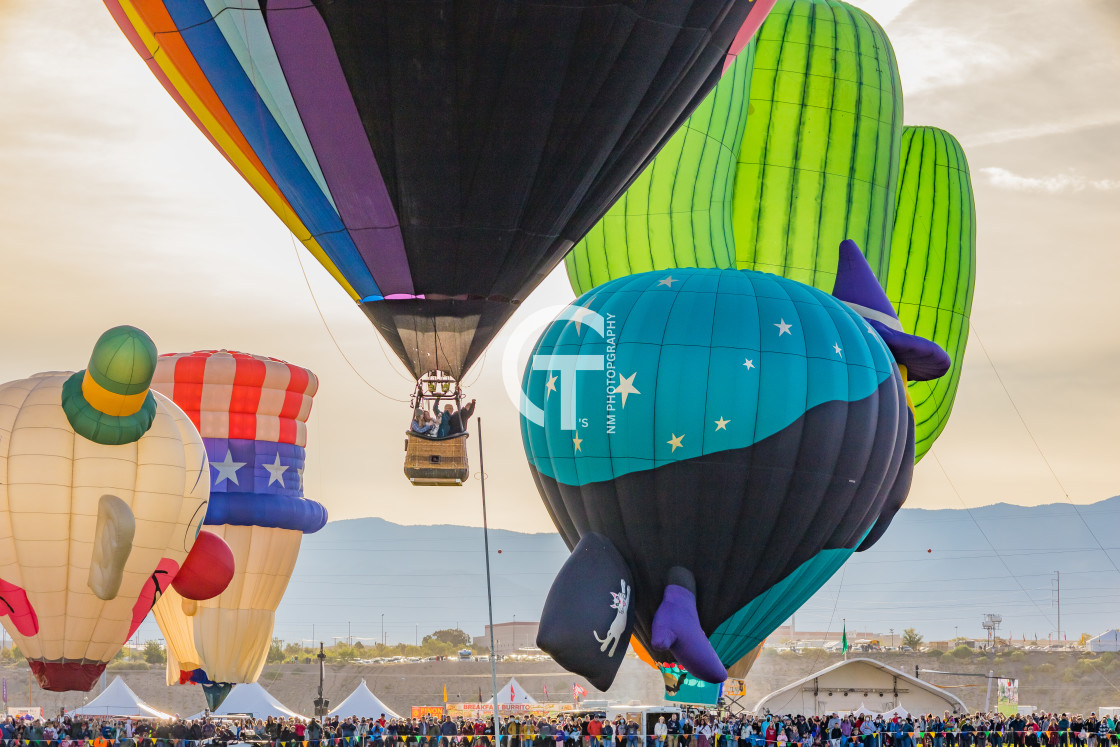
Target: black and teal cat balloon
x=713, y=445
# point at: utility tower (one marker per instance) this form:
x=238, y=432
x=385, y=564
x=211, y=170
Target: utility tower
x=990, y=623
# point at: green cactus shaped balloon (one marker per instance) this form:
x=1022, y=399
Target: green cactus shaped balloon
x=800, y=146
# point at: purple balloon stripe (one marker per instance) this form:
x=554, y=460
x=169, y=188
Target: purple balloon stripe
x=322, y=95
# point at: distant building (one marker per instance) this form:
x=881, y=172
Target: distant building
x=1109, y=641
x=859, y=683
x=508, y=637
x=788, y=633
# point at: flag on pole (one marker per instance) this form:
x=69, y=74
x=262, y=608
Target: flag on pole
x=546, y=691
x=578, y=691
x=512, y=697
x=844, y=640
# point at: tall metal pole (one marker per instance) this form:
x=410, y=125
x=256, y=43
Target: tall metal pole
x=1059, y=575
x=321, y=704
x=489, y=591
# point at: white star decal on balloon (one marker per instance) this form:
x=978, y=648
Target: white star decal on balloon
x=227, y=469
x=783, y=328
x=299, y=473
x=626, y=387
x=550, y=386
x=675, y=441
x=276, y=471
x=721, y=424
x=749, y=364
x=667, y=282
x=838, y=349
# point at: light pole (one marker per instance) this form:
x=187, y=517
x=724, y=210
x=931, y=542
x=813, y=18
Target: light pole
x=321, y=704
x=382, y=629
x=489, y=592
x=892, y=637
x=349, y=638
x=515, y=633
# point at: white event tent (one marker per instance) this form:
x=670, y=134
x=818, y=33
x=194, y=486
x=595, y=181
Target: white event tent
x=253, y=700
x=362, y=703
x=118, y=700
x=512, y=693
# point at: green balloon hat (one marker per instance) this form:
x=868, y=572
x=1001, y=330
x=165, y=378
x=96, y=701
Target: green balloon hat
x=110, y=402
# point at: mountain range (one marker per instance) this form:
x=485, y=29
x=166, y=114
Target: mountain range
x=936, y=571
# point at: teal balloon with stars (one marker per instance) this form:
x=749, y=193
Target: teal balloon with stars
x=738, y=424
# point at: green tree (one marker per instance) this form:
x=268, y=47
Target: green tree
x=452, y=636
x=276, y=651
x=961, y=652
x=293, y=649
x=912, y=638
x=154, y=653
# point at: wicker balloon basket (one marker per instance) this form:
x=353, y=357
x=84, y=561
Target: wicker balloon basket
x=432, y=461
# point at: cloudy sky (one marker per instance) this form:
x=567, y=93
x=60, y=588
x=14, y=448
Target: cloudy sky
x=114, y=209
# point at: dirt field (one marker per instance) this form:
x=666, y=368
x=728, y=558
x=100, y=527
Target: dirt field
x=1072, y=682
x=399, y=686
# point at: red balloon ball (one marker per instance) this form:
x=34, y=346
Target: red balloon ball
x=930, y=550
x=207, y=570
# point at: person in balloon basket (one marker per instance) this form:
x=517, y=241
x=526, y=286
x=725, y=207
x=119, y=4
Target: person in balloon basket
x=452, y=421
x=423, y=422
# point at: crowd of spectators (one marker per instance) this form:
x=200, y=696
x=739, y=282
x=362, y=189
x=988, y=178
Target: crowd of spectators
x=692, y=729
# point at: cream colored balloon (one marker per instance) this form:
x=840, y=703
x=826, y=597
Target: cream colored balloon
x=177, y=626
x=233, y=631
x=52, y=484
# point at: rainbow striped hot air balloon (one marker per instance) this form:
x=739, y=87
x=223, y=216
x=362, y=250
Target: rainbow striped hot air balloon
x=103, y=492
x=252, y=414
x=438, y=199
